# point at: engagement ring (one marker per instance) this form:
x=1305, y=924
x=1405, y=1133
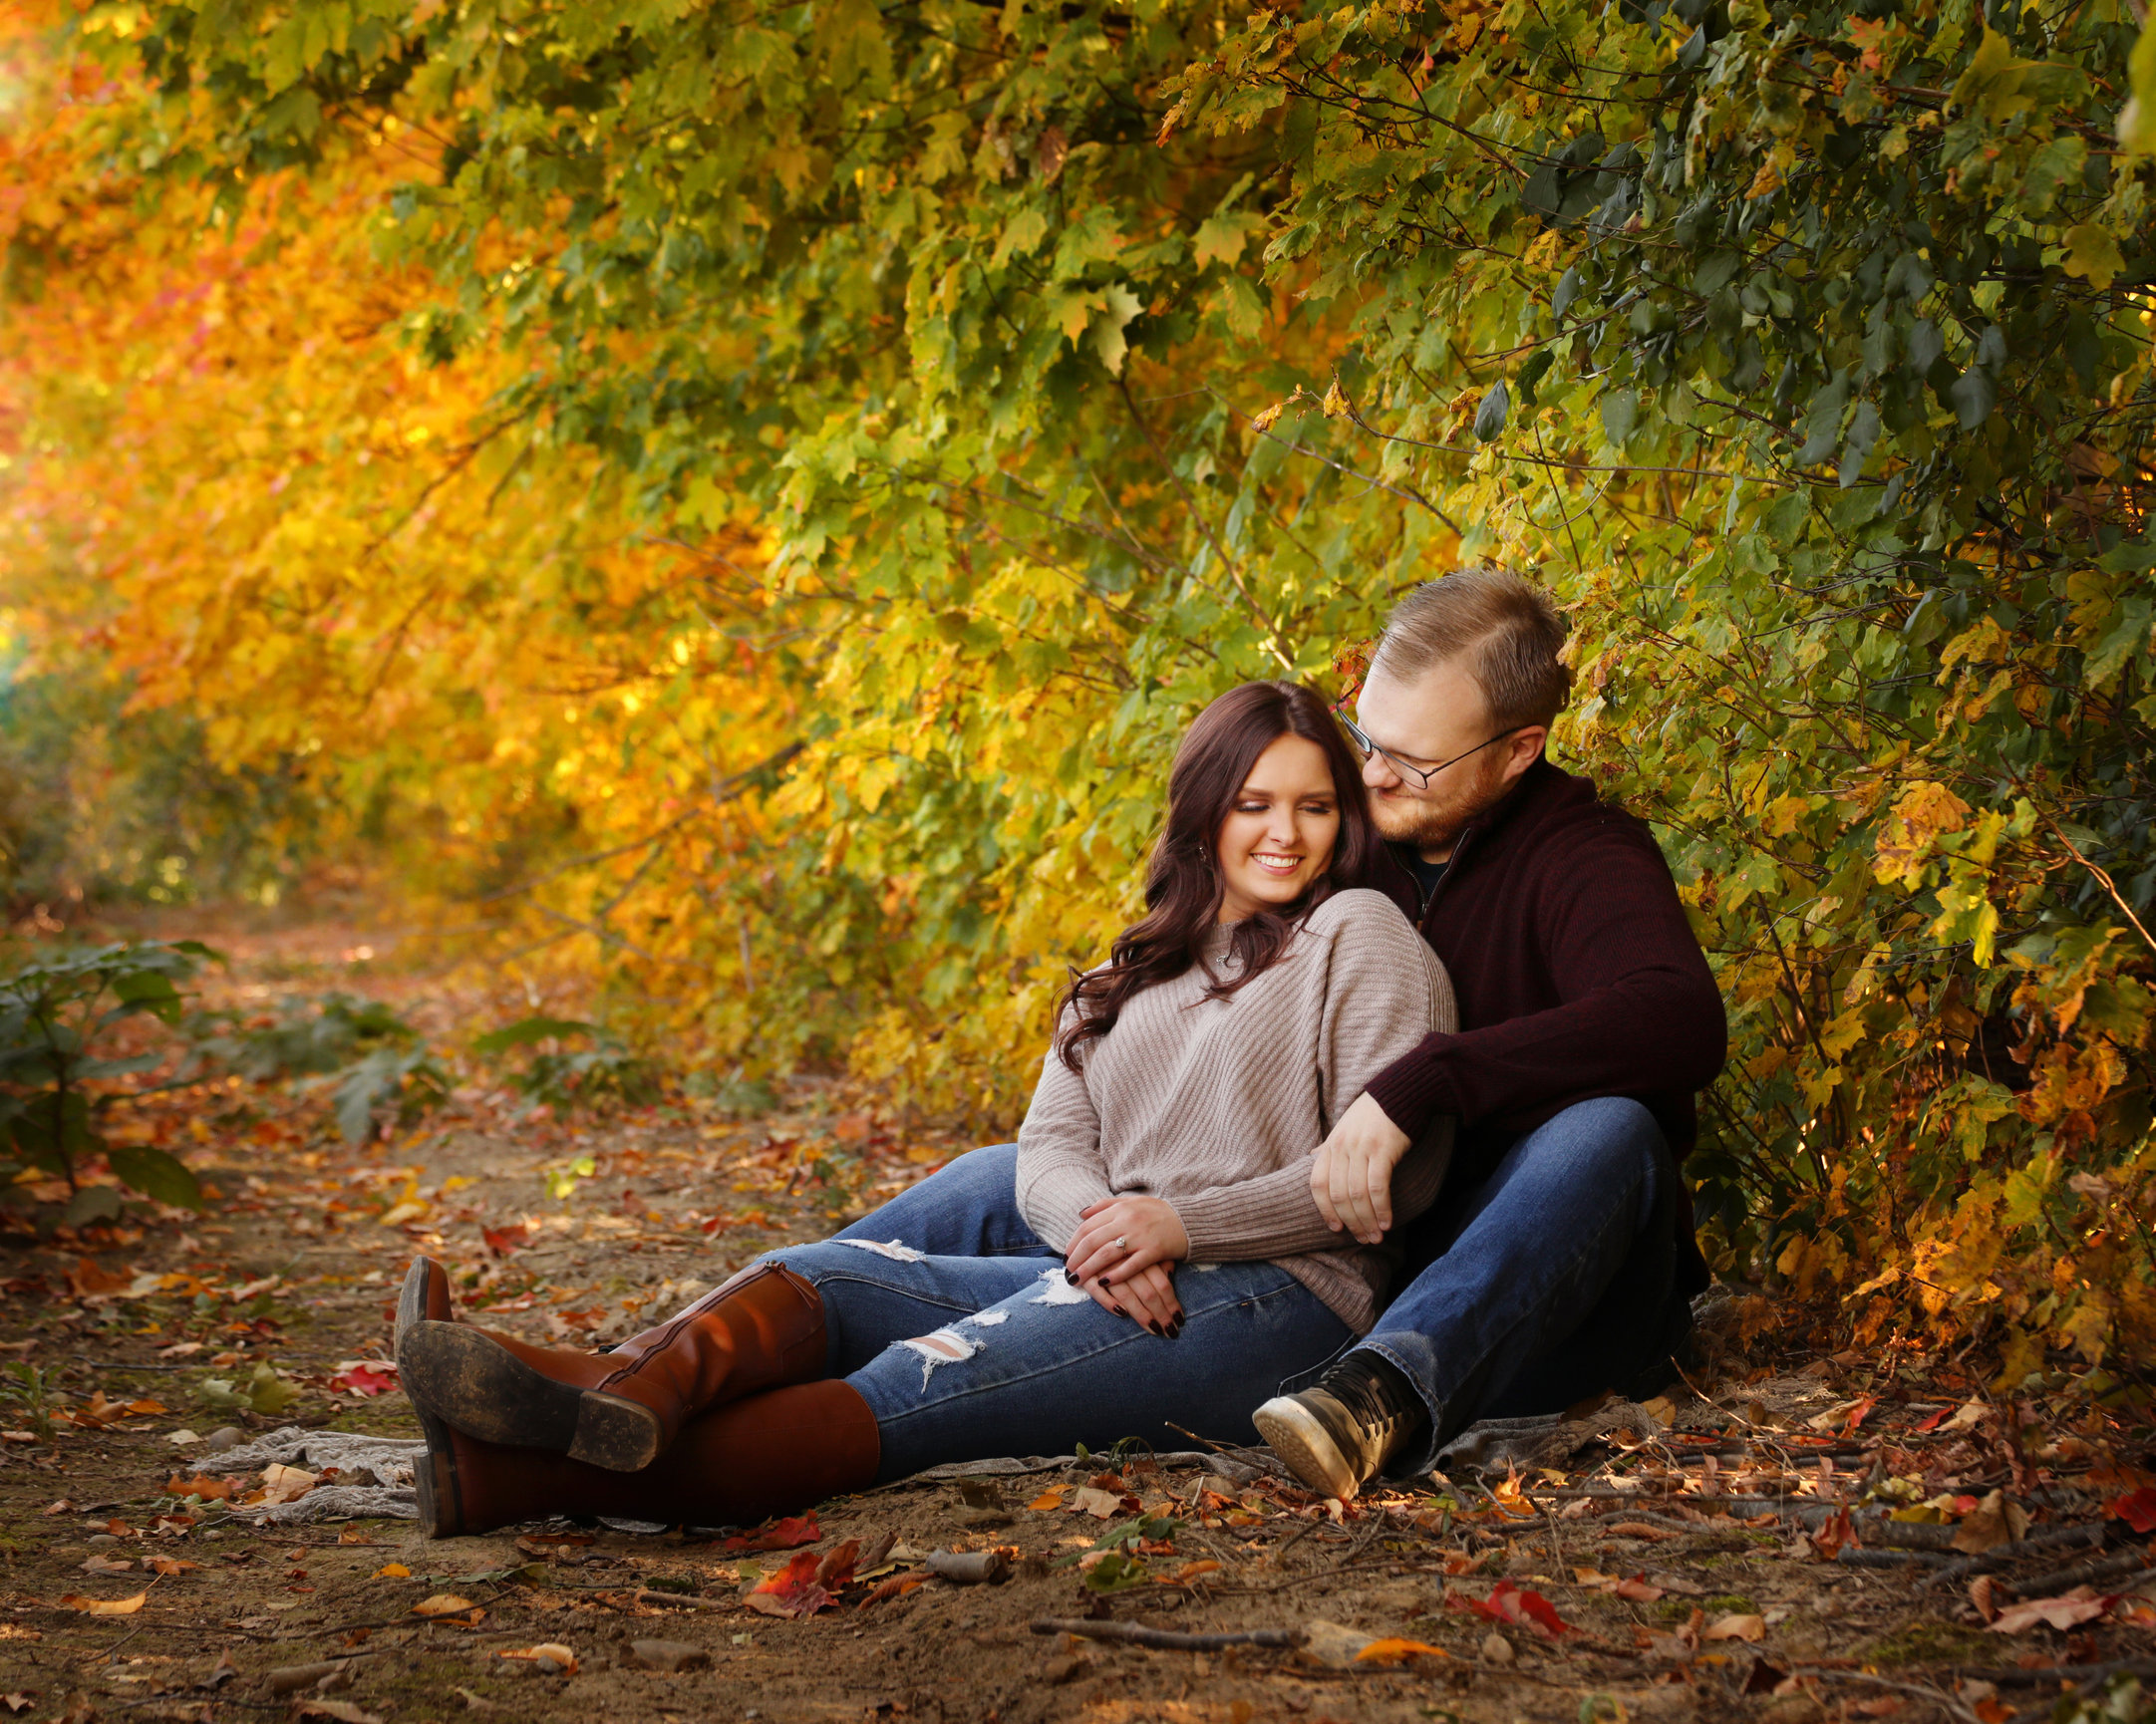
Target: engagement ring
x=1120, y=1243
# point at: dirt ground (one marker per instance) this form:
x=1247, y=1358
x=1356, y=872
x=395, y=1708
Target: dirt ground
x=1728, y=1550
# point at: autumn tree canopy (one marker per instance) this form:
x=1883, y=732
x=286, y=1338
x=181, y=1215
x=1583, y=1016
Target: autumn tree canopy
x=749, y=496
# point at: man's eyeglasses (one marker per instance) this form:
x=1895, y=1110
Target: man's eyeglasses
x=1420, y=777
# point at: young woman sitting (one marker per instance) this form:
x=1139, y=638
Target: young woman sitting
x=1165, y=1155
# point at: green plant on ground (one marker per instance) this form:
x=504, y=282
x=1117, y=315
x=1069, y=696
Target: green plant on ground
x=59, y=1074
x=559, y=1078
x=24, y=1389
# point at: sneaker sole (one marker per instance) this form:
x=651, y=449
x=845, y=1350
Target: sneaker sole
x=1295, y=1435
x=465, y=1379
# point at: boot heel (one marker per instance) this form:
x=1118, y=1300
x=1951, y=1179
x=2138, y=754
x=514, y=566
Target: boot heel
x=467, y=1380
x=615, y=1433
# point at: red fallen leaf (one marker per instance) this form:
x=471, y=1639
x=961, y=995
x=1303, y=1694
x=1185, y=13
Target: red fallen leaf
x=1828, y=1539
x=793, y=1591
x=836, y=1568
x=1931, y=1424
x=713, y=1225
x=784, y=1535
x=363, y=1380
x=502, y=1241
x=1510, y=1604
x=2137, y=1509
x=1859, y=1412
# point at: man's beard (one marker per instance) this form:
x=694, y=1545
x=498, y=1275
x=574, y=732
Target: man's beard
x=1431, y=823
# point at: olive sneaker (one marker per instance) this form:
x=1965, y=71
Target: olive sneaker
x=1341, y=1432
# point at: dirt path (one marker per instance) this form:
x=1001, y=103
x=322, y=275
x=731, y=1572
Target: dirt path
x=1703, y=1569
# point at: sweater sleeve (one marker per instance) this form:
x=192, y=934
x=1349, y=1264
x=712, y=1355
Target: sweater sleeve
x=1060, y=1167
x=1384, y=990
x=1639, y=1015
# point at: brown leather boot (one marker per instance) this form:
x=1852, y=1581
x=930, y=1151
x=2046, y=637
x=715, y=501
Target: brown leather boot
x=425, y=1298
x=773, y=1454
x=759, y=1330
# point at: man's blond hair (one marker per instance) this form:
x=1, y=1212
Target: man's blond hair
x=1503, y=630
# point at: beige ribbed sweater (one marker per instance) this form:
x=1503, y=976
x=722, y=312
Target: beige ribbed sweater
x=1217, y=1105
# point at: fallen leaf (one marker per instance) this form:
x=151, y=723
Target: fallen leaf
x=547, y=1652
x=364, y=1380
x=502, y=1241
x=1735, y=1626
x=208, y=1489
x=1991, y=1523
x=440, y=1604
x=104, y=1606
x=1508, y=1602
x=782, y=1535
x=793, y=1591
x=341, y=1710
x=1101, y=1505
x=169, y=1565
x=282, y=1483
x=1191, y=1570
x=836, y=1568
x=1981, y=1592
x=897, y=1587
x=2082, y=1605
x=1049, y=1499
x=17, y=1701
x=1641, y=1530
x=98, y=1565
x=2137, y=1509
x=1638, y=1588
x=1398, y=1651
x=393, y=1572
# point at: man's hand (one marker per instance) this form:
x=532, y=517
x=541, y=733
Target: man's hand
x=1350, y=1176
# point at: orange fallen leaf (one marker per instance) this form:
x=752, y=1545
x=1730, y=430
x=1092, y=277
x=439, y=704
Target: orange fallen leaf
x=1735, y=1626
x=1398, y=1651
x=104, y=1606
x=440, y=1604
x=208, y=1489
x=393, y=1572
x=169, y=1565
x=1191, y=1570
x=897, y=1587
x=1050, y=1499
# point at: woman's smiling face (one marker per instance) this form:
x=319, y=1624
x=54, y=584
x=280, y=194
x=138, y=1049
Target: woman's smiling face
x=1277, y=841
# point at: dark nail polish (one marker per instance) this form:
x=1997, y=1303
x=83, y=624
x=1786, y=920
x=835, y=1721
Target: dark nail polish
x=1071, y=1276
x=1156, y=1328
x=1118, y=1310
x=1176, y=1330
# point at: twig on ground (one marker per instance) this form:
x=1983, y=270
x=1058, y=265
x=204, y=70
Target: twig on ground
x=2004, y=1555
x=2011, y=1676
x=1167, y=1639
x=682, y=1600
x=2081, y=1574
x=1922, y=1691
x=1852, y=1557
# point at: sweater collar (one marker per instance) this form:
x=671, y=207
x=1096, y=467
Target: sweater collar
x=1543, y=790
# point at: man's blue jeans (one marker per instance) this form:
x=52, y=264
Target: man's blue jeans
x=965, y=1356
x=1553, y=1279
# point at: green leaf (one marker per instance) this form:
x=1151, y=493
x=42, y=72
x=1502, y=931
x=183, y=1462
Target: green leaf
x=1973, y=395
x=1620, y=413
x=2137, y=119
x=2092, y=253
x=526, y=1031
x=155, y=1174
x=1490, y=415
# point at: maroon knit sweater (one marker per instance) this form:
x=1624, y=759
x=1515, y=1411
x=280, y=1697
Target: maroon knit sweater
x=1577, y=973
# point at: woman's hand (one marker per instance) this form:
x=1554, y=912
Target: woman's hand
x=1120, y=1235
x=1147, y=1299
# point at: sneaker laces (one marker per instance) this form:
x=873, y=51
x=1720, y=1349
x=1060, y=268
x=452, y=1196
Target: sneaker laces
x=1376, y=1394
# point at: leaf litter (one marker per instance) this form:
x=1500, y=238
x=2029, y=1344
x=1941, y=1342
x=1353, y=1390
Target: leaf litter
x=1775, y=1525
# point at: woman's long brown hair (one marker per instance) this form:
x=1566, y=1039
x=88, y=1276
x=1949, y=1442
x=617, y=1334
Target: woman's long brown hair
x=1183, y=883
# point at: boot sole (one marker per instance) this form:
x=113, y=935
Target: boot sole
x=1293, y=1433
x=412, y=1301
x=486, y=1391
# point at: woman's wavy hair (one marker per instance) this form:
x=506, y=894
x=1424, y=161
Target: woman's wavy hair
x=1183, y=883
